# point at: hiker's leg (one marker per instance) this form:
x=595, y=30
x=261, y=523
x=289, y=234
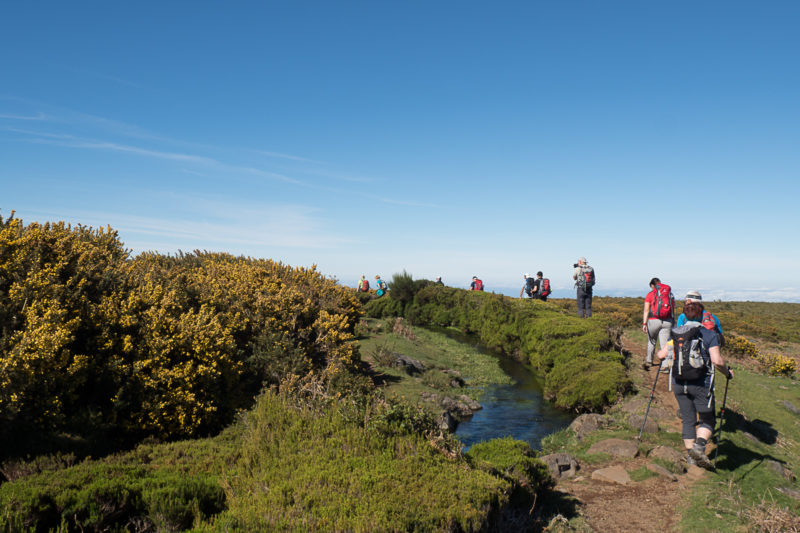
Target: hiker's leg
x=653, y=330
x=581, y=299
x=663, y=338
x=589, y=303
x=705, y=412
x=688, y=415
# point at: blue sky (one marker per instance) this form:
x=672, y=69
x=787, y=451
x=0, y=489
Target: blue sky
x=443, y=138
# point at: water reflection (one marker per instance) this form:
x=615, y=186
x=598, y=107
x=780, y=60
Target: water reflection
x=518, y=410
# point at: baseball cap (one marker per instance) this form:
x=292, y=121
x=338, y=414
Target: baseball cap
x=694, y=296
x=539, y=273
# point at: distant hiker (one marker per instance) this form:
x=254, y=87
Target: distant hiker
x=529, y=287
x=439, y=280
x=696, y=353
x=584, y=281
x=380, y=285
x=708, y=320
x=476, y=285
x=658, y=317
x=542, y=287
x=363, y=284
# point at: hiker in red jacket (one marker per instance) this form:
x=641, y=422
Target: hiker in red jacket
x=658, y=318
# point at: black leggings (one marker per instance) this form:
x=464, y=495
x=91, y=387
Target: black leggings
x=693, y=401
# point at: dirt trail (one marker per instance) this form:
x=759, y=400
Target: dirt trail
x=646, y=506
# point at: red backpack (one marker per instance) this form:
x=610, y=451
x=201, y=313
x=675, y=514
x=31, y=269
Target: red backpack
x=478, y=285
x=545, y=287
x=663, y=302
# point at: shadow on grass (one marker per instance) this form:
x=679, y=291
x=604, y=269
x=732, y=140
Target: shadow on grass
x=552, y=504
x=733, y=457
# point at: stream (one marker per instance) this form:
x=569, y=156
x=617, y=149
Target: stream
x=518, y=410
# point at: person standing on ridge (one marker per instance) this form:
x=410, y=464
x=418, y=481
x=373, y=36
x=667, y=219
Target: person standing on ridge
x=363, y=284
x=476, y=285
x=696, y=349
x=658, y=317
x=438, y=280
x=542, y=287
x=584, y=281
x=529, y=287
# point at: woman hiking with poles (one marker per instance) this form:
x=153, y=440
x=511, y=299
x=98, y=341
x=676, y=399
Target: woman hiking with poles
x=696, y=349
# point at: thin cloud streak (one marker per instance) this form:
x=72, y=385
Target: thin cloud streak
x=37, y=116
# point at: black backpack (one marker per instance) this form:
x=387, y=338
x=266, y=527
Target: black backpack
x=688, y=362
x=530, y=283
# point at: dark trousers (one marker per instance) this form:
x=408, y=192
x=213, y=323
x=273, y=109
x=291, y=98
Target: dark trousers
x=584, y=303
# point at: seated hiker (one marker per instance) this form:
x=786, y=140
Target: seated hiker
x=696, y=353
x=380, y=285
x=528, y=287
x=542, y=287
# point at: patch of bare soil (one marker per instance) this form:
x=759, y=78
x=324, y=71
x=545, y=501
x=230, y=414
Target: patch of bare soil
x=646, y=506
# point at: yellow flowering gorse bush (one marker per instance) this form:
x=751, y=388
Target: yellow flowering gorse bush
x=171, y=346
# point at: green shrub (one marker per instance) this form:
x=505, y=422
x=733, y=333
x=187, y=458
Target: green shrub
x=584, y=384
x=515, y=461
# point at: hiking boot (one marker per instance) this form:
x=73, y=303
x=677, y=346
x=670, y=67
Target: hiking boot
x=647, y=364
x=701, y=459
x=690, y=461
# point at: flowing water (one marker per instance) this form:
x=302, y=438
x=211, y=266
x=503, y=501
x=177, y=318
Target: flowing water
x=518, y=410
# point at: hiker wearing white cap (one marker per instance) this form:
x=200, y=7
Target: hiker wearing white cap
x=584, y=281
x=529, y=287
x=699, y=314
x=696, y=352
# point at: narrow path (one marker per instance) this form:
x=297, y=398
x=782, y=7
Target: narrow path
x=647, y=506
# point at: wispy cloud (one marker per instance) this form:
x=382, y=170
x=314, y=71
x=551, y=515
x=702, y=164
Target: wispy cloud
x=71, y=141
x=37, y=116
x=206, y=223
x=287, y=156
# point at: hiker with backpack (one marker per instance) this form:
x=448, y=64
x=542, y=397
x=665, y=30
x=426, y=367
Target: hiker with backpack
x=708, y=320
x=542, y=287
x=696, y=355
x=529, y=287
x=380, y=286
x=658, y=318
x=363, y=284
x=476, y=285
x=584, y=281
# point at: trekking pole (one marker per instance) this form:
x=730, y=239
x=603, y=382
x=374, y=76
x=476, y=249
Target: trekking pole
x=652, y=393
x=721, y=419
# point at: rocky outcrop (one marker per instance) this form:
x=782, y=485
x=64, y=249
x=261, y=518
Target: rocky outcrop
x=612, y=474
x=588, y=423
x=650, y=425
x=615, y=447
x=459, y=407
x=561, y=465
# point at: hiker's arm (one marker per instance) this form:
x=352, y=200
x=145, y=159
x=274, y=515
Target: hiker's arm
x=719, y=364
x=663, y=352
x=644, y=315
x=521, y=291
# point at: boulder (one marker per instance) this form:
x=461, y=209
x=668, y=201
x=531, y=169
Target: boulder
x=410, y=365
x=661, y=471
x=471, y=403
x=612, y=474
x=670, y=455
x=561, y=465
x=588, y=423
x=615, y=447
x=791, y=407
x=792, y=493
x=779, y=469
x=650, y=425
x=446, y=422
